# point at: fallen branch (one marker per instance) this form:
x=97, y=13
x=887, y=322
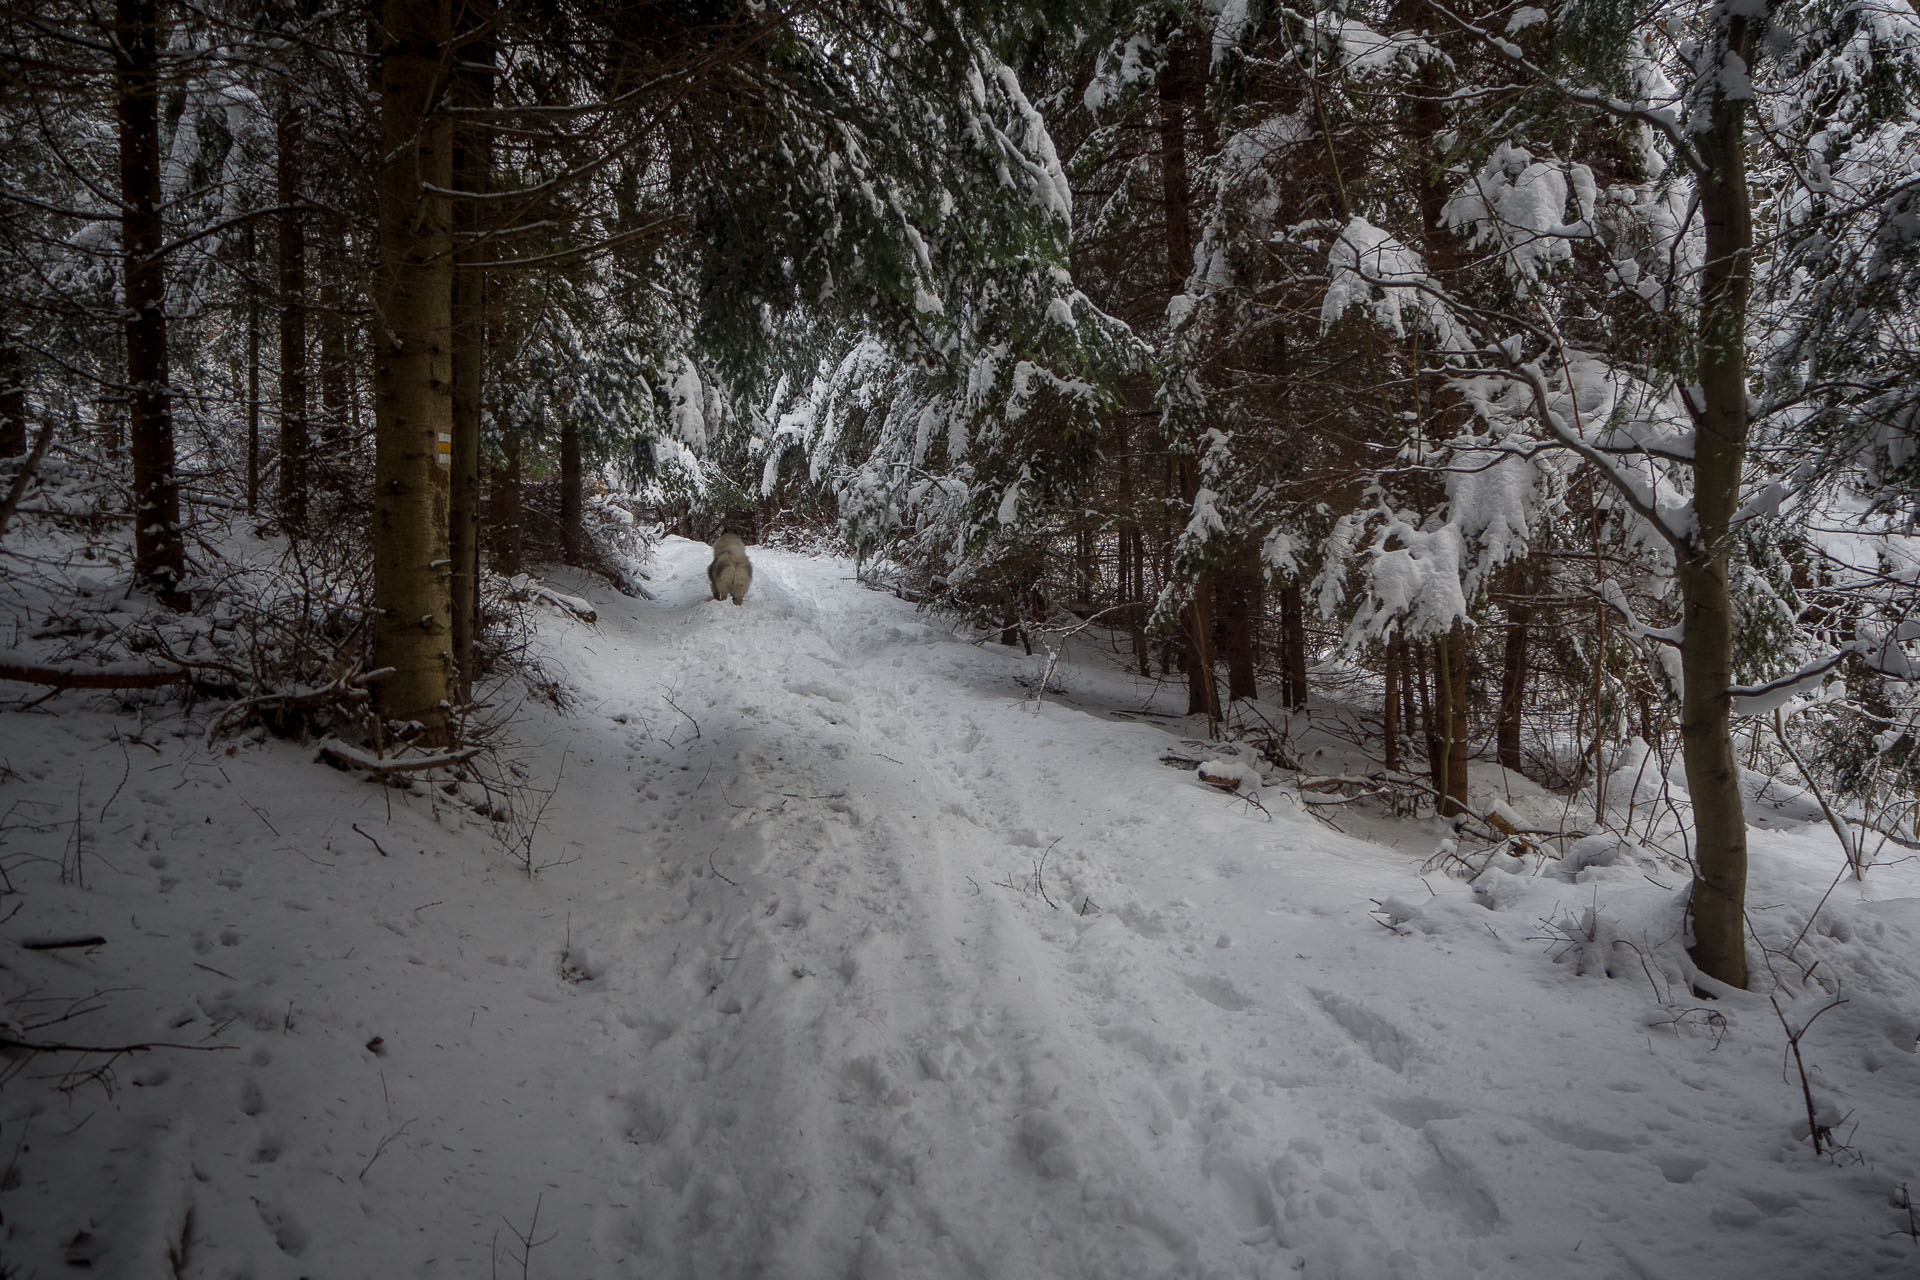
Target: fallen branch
x=21, y=668
x=1229, y=782
x=521, y=587
x=349, y=685
x=60, y=944
x=57, y=1046
x=344, y=756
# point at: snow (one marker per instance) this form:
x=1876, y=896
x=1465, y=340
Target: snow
x=847, y=956
x=1516, y=205
x=688, y=412
x=1120, y=70
x=1369, y=268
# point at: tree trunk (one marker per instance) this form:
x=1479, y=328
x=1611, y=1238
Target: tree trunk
x=1178, y=94
x=1718, y=905
x=1410, y=690
x=294, y=445
x=504, y=507
x=1293, y=647
x=572, y=536
x=13, y=397
x=1130, y=552
x=1390, y=707
x=253, y=374
x=1239, y=596
x=1203, y=691
x=334, y=370
x=413, y=409
x=1439, y=759
x=1086, y=569
x=1453, y=676
x=472, y=166
x=1137, y=616
x=159, y=554
x=1514, y=673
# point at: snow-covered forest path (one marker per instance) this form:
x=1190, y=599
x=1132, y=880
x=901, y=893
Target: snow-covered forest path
x=925, y=977
x=847, y=957
x=843, y=848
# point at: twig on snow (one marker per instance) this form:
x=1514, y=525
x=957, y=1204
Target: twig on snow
x=382, y=1147
x=369, y=839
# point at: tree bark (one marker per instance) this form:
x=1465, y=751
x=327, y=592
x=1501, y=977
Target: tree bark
x=504, y=507
x=413, y=410
x=1515, y=670
x=1238, y=590
x=253, y=374
x=13, y=397
x=472, y=166
x=1179, y=91
x=159, y=553
x=335, y=382
x=1203, y=690
x=1718, y=905
x=1421, y=691
x=291, y=492
x=1439, y=758
x=1453, y=674
x=1390, y=707
x=1293, y=647
x=1131, y=552
x=572, y=536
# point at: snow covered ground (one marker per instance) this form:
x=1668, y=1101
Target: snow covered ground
x=847, y=957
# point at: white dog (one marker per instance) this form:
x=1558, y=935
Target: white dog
x=731, y=573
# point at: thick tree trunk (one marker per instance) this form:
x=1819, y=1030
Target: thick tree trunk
x=159, y=554
x=294, y=444
x=1706, y=650
x=1178, y=98
x=572, y=536
x=413, y=409
x=472, y=166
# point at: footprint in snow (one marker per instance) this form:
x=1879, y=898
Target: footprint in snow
x=288, y=1235
x=1219, y=992
x=1380, y=1039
